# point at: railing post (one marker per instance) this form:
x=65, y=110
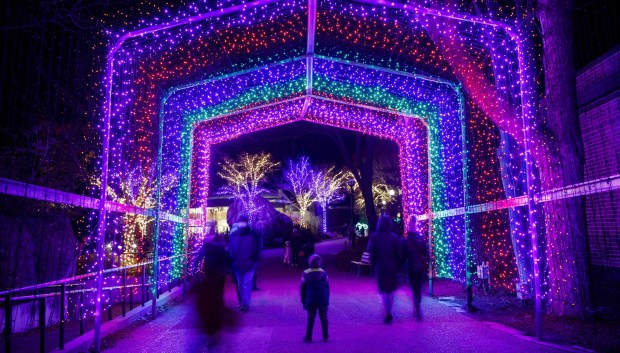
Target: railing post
x=110, y=305
x=185, y=271
x=8, y=323
x=131, y=298
x=42, y=325
x=155, y=289
x=63, y=293
x=157, y=279
x=81, y=311
x=124, y=284
x=170, y=278
x=142, y=291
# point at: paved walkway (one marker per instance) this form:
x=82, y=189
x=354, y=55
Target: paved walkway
x=276, y=321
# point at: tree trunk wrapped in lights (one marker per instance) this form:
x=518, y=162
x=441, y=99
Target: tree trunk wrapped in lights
x=556, y=142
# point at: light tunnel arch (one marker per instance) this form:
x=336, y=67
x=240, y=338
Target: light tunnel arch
x=110, y=87
x=450, y=236
x=156, y=28
x=407, y=132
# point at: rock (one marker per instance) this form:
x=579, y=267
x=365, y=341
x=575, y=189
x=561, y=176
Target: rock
x=35, y=249
x=273, y=226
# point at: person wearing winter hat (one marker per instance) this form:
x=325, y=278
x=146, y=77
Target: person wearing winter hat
x=315, y=296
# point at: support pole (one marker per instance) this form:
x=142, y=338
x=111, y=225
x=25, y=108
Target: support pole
x=310, y=45
x=527, y=112
x=100, y=253
x=187, y=224
x=461, y=99
x=160, y=146
x=430, y=211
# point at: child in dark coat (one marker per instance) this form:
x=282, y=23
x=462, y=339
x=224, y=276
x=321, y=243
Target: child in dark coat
x=315, y=296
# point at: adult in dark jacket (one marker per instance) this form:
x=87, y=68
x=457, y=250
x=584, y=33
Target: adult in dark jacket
x=244, y=250
x=216, y=264
x=415, y=253
x=315, y=296
x=385, y=252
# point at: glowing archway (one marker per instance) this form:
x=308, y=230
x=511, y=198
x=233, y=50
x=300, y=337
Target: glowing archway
x=312, y=77
x=261, y=93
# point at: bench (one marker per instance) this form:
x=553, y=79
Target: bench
x=364, y=263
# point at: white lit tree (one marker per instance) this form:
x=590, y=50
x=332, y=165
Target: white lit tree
x=299, y=176
x=246, y=177
x=327, y=186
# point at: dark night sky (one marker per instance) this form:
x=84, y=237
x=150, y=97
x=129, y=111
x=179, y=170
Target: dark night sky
x=293, y=140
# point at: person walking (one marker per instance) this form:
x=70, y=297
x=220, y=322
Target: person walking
x=296, y=246
x=352, y=236
x=385, y=253
x=415, y=254
x=244, y=251
x=315, y=296
x=216, y=264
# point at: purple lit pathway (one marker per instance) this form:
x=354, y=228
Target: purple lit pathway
x=276, y=321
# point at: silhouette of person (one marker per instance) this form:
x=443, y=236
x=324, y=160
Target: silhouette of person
x=415, y=253
x=216, y=264
x=385, y=252
x=352, y=236
x=244, y=249
x=296, y=246
x=314, y=292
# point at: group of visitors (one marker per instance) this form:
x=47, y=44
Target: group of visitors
x=241, y=254
x=298, y=247
x=388, y=254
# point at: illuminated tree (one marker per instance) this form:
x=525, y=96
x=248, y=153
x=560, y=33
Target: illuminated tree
x=246, y=177
x=327, y=185
x=137, y=186
x=299, y=176
x=382, y=194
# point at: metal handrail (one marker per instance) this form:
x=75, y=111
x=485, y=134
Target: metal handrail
x=59, y=288
x=85, y=290
x=84, y=276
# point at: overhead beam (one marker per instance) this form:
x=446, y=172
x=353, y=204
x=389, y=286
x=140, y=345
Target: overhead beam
x=369, y=107
x=425, y=77
x=310, y=45
x=251, y=109
x=443, y=12
x=175, y=89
